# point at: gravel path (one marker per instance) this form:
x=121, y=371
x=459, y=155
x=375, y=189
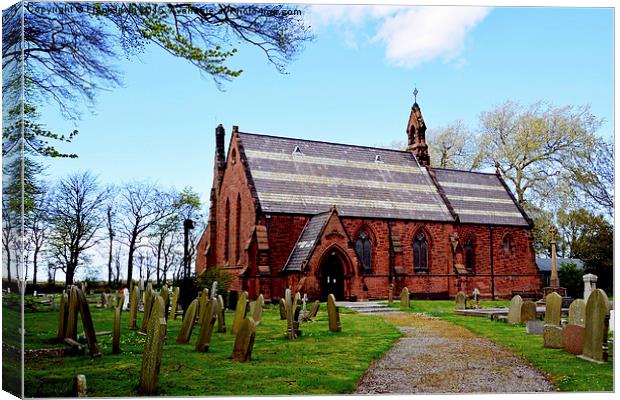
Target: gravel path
x=436, y=356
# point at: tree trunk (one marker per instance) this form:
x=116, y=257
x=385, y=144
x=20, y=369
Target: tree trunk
x=132, y=249
x=35, y=266
x=69, y=274
x=8, y=263
x=111, y=236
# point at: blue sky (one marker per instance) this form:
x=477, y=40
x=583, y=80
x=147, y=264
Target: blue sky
x=353, y=84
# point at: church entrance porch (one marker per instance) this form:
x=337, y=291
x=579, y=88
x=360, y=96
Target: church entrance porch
x=332, y=276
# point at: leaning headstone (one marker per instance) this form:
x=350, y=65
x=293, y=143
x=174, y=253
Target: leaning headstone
x=188, y=323
x=552, y=336
x=597, y=325
x=572, y=338
x=133, y=307
x=240, y=312
x=202, y=304
x=221, y=318
x=461, y=301
x=206, y=326
x=553, y=309
x=149, y=295
x=514, y=312
x=153, y=349
x=333, y=314
x=165, y=295
x=577, y=312
x=391, y=294
x=528, y=312
x=404, y=298
x=116, y=335
x=534, y=327
x=80, y=389
x=282, y=309
x=244, y=342
x=87, y=323
x=314, y=310
x=175, y=302
x=62, y=316
x=71, y=328
x=257, y=312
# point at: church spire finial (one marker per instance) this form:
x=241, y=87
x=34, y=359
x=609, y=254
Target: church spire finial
x=415, y=94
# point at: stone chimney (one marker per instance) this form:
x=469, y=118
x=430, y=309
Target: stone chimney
x=416, y=133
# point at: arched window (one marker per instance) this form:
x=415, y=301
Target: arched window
x=507, y=244
x=237, y=228
x=469, y=255
x=363, y=247
x=227, y=230
x=420, y=254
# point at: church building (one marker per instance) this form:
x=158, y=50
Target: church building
x=351, y=220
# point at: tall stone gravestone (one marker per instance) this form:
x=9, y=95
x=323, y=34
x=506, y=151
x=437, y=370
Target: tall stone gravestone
x=133, y=307
x=404, y=298
x=552, y=332
x=202, y=305
x=116, y=333
x=188, y=323
x=165, y=295
x=514, y=312
x=221, y=316
x=460, y=301
x=240, y=312
x=175, y=302
x=333, y=314
x=257, y=312
x=244, y=341
x=528, y=312
x=314, y=310
x=296, y=310
x=290, y=314
x=71, y=329
x=62, y=316
x=597, y=326
x=206, y=326
x=282, y=309
x=574, y=332
x=153, y=348
x=87, y=323
x=149, y=295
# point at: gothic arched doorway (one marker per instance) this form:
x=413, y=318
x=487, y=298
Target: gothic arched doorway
x=332, y=276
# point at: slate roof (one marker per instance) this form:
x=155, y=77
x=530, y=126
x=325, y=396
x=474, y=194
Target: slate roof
x=544, y=264
x=308, y=177
x=306, y=242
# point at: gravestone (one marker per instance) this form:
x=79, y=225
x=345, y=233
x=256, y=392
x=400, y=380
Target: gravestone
x=514, y=312
x=577, y=312
x=120, y=300
x=553, y=309
x=597, y=325
x=202, y=305
x=528, y=312
x=257, y=312
x=552, y=336
x=572, y=338
x=282, y=309
x=288, y=305
x=125, y=299
x=589, y=285
x=71, y=328
x=165, y=295
x=103, y=300
x=133, y=307
x=153, y=348
x=240, y=311
x=80, y=389
x=188, y=323
x=62, y=316
x=221, y=319
x=87, y=323
x=206, y=326
x=244, y=342
x=175, y=302
x=109, y=300
x=315, y=309
x=149, y=296
x=476, y=294
x=333, y=314
x=404, y=298
x=534, y=327
x=304, y=308
x=461, y=301
x=116, y=335
x=296, y=311
x=391, y=294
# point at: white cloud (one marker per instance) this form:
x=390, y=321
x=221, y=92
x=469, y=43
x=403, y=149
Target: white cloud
x=411, y=35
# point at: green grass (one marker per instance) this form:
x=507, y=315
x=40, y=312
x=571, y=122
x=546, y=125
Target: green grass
x=565, y=370
x=320, y=362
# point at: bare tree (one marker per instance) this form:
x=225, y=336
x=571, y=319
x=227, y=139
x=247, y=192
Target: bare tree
x=451, y=146
x=36, y=229
x=76, y=215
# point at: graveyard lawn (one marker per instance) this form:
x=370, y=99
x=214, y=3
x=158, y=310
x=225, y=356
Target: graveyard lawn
x=566, y=371
x=319, y=362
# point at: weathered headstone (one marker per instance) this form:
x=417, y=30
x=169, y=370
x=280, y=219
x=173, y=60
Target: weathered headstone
x=476, y=294
x=528, y=312
x=125, y=299
x=534, y=327
x=80, y=389
x=240, y=312
x=391, y=294
x=202, y=304
x=315, y=309
x=577, y=312
x=108, y=300
x=133, y=307
x=282, y=309
x=116, y=335
x=206, y=326
x=288, y=306
x=572, y=338
x=87, y=323
x=214, y=290
x=175, y=302
x=244, y=342
x=71, y=328
x=149, y=295
x=597, y=326
x=153, y=348
x=333, y=314
x=553, y=309
x=221, y=318
x=552, y=336
x=461, y=301
x=62, y=316
x=188, y=323
x=514, y=312
x=404, y=298
x=589, y=285
x=103, y=299
x=165, y=295
x=257, y=312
